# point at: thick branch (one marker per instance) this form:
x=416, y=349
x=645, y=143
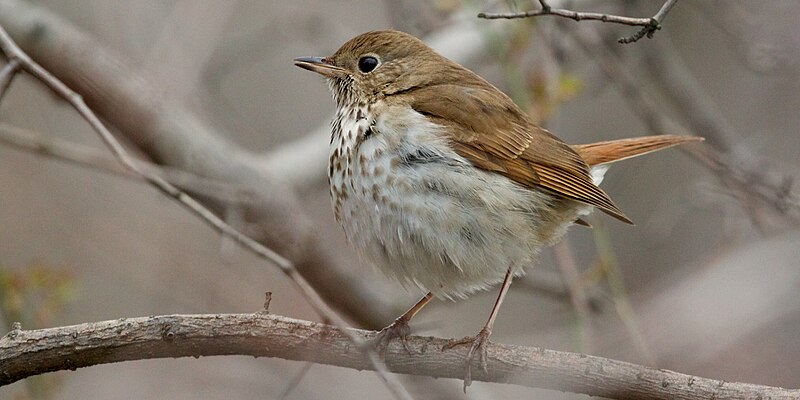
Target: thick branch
x=172, y=135
x=14, y=53
x=27, y=353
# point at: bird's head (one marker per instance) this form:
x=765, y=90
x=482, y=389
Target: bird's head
x=378, y=64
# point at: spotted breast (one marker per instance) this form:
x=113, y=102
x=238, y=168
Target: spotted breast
x=422, y=213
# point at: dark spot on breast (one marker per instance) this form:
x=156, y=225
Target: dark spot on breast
x=382, y=247
x=375, y=193
x=471, y=235
x=368, y=133
x=419, y=156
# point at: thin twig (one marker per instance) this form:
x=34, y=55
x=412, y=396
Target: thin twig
x=266, y=335
x=544, y=4
x=619, y=294
x=649, y=25
x=573, y=15
x=577, y=294
x=298, y=376
x=655, y=24
x=90, y=157
x=13, y=52
x=7, y=75
x=172, y=134
x=747, y=183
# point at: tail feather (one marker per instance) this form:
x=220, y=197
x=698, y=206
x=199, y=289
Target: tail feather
x=615, y=150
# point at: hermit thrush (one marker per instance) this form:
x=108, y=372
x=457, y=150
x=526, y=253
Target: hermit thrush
x=442, y=181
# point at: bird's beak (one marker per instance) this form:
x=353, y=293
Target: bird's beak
x=318, y=65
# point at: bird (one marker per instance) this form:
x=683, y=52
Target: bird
x=439, y=179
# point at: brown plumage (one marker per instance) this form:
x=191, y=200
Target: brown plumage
x=616, y=150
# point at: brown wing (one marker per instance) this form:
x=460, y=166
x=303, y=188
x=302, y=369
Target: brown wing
x=490, y=131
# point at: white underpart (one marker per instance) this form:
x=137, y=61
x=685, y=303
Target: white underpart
x=442, y=225
x=598, y=172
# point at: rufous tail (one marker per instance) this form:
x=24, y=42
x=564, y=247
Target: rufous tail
x=616, y=150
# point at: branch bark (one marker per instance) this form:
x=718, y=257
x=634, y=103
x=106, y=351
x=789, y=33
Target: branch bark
x=27, y=353
x=172, y=135
x=16, y=54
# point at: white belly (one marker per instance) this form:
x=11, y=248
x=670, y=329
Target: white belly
x=425, y=216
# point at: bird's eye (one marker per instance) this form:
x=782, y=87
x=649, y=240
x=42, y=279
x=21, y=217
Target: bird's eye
x=367, y=64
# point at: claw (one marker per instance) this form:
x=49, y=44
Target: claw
x=478, y=344
x=397, y=329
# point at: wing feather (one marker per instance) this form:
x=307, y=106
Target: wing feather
x=490, y=131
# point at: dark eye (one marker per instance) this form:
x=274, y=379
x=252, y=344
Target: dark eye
x=367, y=63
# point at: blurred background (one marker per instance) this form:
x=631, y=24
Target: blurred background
x=706, y=282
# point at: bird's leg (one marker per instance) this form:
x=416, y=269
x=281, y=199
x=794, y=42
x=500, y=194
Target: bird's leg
x=399, y=328
x=479, y=342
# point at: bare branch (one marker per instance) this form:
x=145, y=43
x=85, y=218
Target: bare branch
x=13, y=52
x=27, y=353
x=172, y=135
x=744, y=177
x=89, y=157
x=655, y=24
x=649, y=25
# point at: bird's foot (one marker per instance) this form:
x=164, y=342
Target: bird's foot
x=398, y=329
x=478, y=345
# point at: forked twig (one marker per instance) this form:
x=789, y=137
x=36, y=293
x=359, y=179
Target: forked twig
x=649, y=25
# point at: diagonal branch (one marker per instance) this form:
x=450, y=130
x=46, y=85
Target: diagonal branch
x=95, y=159
x=27, y=353
x=7, y=74
x=749, y=184
x=172, y=135
x=649, y=25
x=14, y=53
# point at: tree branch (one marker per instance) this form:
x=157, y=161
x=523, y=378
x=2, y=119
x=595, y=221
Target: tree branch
x=7, y=74
x=97, y=160
x=649, y=25
x=14, y=53
x=27, y=353
x=173, y=136
x=745, y=178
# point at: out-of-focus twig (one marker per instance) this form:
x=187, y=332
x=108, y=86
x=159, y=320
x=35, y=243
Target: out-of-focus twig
x=298, y=376
x=7, y=73
x=572, y=279
x=759, y=194
x=171, y=134
x=13, y=52
x=610, y=271
x=97, y=160
x=649, y=25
